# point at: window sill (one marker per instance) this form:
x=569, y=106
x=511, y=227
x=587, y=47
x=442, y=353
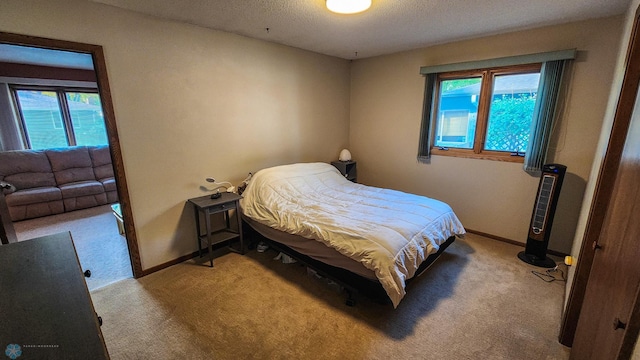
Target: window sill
x=485, y=155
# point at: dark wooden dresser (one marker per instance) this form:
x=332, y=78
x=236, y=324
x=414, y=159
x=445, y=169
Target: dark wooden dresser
x=46, y=311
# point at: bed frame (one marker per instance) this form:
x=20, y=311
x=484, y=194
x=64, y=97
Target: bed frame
x=353, y=284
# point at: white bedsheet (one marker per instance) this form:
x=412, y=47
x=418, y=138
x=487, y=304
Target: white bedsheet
x=389, y=232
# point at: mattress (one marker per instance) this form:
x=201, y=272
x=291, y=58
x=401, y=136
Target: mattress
x=390, y=233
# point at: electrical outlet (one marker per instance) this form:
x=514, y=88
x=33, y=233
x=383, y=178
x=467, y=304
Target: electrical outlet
x=568, y=260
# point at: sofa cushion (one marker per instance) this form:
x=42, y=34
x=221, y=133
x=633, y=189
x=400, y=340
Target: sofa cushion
x=81, y=188
x=29, y=211
x=71, y=164
x=33, y=196
x=26, y=169
x=109, y=184
x=83, y=202
x=101, y=160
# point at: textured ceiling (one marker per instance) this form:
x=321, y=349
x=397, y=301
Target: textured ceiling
x=388, y=26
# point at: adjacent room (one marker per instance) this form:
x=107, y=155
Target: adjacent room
x=54, y=137
x=186, y=107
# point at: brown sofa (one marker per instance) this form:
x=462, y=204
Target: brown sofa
x=57, y=180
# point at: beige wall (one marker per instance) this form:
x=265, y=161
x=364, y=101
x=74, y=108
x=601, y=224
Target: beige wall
x=488, y=196
x=192, y=102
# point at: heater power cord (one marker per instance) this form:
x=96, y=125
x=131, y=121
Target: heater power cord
x=548, y=275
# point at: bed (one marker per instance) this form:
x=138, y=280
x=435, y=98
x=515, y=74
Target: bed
x=381, y=236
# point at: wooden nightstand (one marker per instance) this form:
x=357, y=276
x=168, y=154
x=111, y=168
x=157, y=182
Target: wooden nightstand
x=348, y=169
x=207, y=206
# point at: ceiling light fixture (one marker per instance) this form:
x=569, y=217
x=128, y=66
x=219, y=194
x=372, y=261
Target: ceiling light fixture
x=348, y=6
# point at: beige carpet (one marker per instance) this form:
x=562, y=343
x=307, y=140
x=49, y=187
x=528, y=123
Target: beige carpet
x=99, y=245
x=478, y=301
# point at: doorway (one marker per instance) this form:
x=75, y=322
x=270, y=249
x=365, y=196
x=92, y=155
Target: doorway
x=99, y=68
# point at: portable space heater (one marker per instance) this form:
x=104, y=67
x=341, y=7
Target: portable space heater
x=535, y=252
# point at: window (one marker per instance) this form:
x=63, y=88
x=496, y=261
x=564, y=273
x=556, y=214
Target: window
x=485, y=113
x=457, y=111
x=454, y=129
x=513, y=99
x=60, y=117
x=498, y=109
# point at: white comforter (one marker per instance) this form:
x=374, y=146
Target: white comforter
x=389, y=232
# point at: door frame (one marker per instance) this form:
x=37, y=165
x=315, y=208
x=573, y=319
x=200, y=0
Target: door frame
x=604, y=185
x=100, y=68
